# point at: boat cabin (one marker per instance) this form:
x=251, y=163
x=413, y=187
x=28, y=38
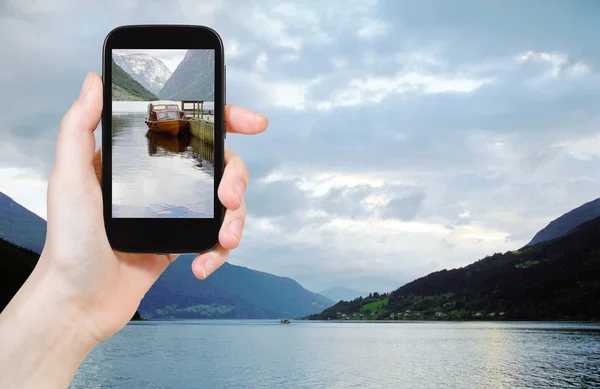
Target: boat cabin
x=159, y=112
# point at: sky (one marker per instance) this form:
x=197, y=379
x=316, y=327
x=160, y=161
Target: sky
x=404, y=138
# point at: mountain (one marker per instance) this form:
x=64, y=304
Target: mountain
x=231, y=292
x=340, y=293
x=22, y=238
x=194, y=78
x=125, y=88
x=557, y=279
x=20, y=226
x=16, y=264
x=151, y=72
x=567, y=222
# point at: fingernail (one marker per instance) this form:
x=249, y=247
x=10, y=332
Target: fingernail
x=235, y=230
x=239, y=193
x=209, y=267
x=87, y=83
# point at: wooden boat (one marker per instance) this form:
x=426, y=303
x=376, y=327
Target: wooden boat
x=284, y=321
x=166, y=118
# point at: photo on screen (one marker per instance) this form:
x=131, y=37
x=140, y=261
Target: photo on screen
x=163, y=133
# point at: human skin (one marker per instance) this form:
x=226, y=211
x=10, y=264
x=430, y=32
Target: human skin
x=82, y=291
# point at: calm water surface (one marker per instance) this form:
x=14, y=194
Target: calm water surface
x=156, y=175
x=265, y=354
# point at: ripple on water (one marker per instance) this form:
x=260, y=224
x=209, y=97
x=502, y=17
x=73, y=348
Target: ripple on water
x=260, y=354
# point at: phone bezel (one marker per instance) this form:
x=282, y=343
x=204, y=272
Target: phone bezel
x=163, y=235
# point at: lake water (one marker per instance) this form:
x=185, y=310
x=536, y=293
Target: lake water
x=156, y=175
x=266, y=354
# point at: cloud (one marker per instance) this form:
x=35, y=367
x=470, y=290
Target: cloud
x=277, y=92
x=558, y=64
x=373, y=28
x=27, y=185
x=261, y=62
x=586, y=148
x=403, y=208
x=375, y=89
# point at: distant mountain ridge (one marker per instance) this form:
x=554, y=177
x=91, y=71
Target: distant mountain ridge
x=21, y=226
x=340, y=293
x=125, y=88
x=567, y=222
x=231, y=292
x=149, y=71
x=194, y=78
x=556, y=279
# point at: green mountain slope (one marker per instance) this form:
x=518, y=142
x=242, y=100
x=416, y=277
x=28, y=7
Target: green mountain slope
x=125, y=88
x=194, y=78
x=553, y=280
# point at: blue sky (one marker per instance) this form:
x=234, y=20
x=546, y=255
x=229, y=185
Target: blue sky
x=404, y=138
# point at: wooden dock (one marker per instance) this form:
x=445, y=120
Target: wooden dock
x=203, y=129
x=202, y=151
x=201, y=121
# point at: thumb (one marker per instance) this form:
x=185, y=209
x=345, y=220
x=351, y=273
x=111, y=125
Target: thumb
x=76, y=144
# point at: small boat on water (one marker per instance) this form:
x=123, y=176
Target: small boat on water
x=284, y=321
x=166, y=118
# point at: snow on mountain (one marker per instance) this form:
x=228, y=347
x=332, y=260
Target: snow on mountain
x=149, y=71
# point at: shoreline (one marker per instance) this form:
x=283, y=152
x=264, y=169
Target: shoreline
x=378, y=321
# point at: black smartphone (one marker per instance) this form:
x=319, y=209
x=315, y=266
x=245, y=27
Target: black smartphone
x=163, y=136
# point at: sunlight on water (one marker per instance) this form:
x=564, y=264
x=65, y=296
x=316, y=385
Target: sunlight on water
x=265, y=354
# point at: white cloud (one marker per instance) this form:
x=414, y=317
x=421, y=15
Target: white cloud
x=276, y=32
x=192, y=8
x=261, y=62
x=557, y=64
x=375, y=89
x=279, y=92
x=585, y=148
x=339, y=63
x=233, y=49
x=295, y=26
x=373, y=28
x=397, y=249
x=318, y=183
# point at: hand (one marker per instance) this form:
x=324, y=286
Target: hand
x=107, y=285
x=79, y=280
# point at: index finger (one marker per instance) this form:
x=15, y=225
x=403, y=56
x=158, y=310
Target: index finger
x=243, y=121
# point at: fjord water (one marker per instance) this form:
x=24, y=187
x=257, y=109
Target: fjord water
x=266, y=354
x=156, y=175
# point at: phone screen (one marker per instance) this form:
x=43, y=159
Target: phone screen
x=163, y=133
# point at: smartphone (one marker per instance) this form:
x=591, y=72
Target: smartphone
x=163, y=136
